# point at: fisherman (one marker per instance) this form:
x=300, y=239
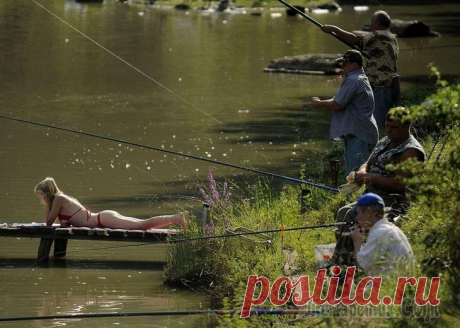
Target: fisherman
x=387, y=249
x=398, y=146
x=352, y=108
x=381, y=69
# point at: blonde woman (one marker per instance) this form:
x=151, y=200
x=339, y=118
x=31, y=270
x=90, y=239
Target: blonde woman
x=70, y=212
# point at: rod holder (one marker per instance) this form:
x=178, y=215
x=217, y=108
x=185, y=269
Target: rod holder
x=334, y=172
x=303, y=202
x=204, y=215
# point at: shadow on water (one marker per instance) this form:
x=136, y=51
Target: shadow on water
x=286, y=125
x=23, y=263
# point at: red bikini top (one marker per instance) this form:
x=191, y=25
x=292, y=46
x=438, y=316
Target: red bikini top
x=64, y=217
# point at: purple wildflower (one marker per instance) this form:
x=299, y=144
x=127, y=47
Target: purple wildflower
x=207, y=199
x=213, y=187
x=209, y=228
x=227, y=198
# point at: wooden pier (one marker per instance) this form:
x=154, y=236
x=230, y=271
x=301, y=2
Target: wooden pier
x=60, y=236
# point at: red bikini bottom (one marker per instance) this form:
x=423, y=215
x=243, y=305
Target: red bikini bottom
x=99, y=224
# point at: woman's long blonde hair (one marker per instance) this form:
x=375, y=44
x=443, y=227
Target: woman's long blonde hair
x=49, y=188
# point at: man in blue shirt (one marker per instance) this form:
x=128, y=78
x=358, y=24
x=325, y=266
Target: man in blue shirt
x=352, y=112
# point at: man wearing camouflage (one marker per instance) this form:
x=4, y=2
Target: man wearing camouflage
x=382, y=48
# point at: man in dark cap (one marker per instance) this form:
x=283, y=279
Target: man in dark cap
x=381, y=69
x=387, y=249
x=352, y=108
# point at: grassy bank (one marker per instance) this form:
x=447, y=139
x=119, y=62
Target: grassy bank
x=220, y=267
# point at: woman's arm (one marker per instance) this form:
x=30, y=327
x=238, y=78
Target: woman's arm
x=53, y=211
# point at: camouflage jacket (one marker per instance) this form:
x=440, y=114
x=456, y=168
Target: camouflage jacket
x=382, y=47
x=378, y=161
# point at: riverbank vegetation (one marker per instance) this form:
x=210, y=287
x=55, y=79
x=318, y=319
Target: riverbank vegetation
x=220, y=267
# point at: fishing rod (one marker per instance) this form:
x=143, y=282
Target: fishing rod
x=233, y=234
x=240, y=167
x=301, y=13
x=228, y=235
x=161, y=313
x=432, y=47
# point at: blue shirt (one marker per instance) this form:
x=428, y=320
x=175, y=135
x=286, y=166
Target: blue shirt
x=357, y=98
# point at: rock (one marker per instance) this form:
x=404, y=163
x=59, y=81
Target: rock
x=332, y=6
x=408, y=29
x=306, y=64
x=182, y=6
x=292, y=12
x=411, y=29
x=223, y=5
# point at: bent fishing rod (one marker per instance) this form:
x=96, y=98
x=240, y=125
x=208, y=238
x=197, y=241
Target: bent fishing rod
x=301, y=13
x=240, y=167
x=161, y=313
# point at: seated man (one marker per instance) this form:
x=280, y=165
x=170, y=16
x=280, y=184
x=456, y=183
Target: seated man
x=398, y=146
x=387, y=250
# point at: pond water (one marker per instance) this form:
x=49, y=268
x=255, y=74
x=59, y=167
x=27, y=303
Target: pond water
x=182, y=81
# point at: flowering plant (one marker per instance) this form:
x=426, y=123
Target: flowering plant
x=214, y=197
x=218, y=198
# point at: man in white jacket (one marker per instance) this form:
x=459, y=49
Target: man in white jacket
x=387, y=250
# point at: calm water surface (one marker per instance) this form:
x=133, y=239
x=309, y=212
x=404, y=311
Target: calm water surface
x=210, y=98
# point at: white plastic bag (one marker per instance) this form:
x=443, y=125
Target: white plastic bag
x=323, y=254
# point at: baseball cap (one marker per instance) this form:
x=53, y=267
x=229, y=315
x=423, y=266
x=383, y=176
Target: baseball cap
x=370, y=199
x=353, y=56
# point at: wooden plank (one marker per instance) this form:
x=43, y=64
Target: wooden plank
x=63, y=231
x=83, y=233
x=135, y=233
x=117, y=233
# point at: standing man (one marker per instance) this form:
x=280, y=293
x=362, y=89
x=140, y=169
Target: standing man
x=352, y=108
x=381, y=69
x=387, y=249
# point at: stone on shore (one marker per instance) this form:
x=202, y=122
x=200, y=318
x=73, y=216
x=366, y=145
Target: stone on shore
x=331, y=6
x=306, y=64
x=409, y=29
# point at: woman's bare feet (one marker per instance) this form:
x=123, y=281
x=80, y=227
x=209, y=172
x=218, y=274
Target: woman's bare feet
x=185, y=220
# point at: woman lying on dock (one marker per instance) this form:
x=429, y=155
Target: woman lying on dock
x=70, y=212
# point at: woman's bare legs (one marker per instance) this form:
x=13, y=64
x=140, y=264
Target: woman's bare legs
x=166, y=220
x=114, y=220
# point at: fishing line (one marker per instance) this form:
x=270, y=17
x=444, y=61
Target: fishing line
x=240, y=167
x=432, y=47
x=125, y=62
x=162, y=313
